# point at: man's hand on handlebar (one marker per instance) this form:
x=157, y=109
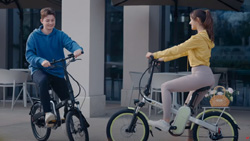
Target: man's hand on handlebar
x=46, y=64
x=74, y=55
x=77, y=53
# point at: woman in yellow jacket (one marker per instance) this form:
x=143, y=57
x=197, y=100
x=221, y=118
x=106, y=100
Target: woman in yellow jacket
x=198, y=50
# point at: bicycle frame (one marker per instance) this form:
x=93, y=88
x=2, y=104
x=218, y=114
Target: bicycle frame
x=72, y=109
x=71, y=102
x=146, y=99
x=174, y=111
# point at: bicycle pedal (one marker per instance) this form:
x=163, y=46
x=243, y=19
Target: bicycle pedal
x=63, y=120
x=173, y=128
x=49, y=125
x=52, y=122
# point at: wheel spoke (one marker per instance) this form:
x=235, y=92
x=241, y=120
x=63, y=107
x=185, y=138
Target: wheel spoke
x=117, y=127
x=39, y=131
x=74, y=128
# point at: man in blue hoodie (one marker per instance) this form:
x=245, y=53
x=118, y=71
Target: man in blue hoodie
x=43, y=45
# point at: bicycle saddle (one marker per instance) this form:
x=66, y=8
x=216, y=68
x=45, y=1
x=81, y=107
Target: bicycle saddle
x=203, y=89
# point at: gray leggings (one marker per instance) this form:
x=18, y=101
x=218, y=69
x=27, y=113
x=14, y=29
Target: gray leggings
x=201, y=76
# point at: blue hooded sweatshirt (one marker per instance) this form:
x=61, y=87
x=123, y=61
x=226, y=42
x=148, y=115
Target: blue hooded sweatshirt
x=42, y=47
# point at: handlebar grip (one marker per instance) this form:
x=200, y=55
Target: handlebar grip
x=70, y=55
x=154, y=60
x=52, y=62
x=152, y=57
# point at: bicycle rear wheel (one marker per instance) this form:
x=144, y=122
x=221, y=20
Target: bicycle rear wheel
x=117, y=127
x=228, y=129
x=39, y=130
x=75, y=131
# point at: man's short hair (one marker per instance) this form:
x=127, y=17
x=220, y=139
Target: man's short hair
x=47, y=11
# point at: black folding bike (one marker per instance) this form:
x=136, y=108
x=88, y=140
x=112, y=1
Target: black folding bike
x=76, y=124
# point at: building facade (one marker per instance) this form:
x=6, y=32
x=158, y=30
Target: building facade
x=116, y=39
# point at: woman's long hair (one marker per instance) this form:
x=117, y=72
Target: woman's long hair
x=206, y=20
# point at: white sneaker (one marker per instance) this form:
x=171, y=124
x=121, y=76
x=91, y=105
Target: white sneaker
x=49, y=117
x=161, y=124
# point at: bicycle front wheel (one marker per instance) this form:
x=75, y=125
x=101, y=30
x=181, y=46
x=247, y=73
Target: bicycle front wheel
x=117, y=127
x=39, y=130
x=76, y=130
x=228, y=129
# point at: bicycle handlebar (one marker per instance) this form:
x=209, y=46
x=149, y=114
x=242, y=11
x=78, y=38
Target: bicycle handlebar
x=64, y=59
x=154, y=60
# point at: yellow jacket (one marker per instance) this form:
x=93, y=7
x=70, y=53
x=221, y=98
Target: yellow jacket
x=197, y=48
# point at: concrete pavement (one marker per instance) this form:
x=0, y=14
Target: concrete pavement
x=15, y=125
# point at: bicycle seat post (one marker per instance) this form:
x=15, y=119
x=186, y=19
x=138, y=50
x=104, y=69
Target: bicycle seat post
x=194, y=97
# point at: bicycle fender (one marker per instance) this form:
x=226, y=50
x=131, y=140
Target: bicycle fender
x=213, y=110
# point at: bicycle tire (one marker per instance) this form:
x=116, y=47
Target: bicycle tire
x=39, y=130
x=74, y=128
x=229, y=130
x=118, y=123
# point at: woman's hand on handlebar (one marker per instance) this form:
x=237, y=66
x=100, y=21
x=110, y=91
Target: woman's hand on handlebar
x=149, y=54
x=46, y=64
x=77, y=53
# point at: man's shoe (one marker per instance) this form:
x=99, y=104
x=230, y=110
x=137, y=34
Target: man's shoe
x=160, y=124
x=48, y=118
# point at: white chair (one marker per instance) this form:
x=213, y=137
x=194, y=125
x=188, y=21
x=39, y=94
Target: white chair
x=28, y=83
x=157, y=80
x=10, y=78
x=217, y=78
x=135, y=79
x=31, y=83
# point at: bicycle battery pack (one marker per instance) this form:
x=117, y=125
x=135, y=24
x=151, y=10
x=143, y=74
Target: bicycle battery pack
x=181, y=119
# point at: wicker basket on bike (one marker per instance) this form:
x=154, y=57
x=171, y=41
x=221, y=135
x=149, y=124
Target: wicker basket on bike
x=219, y=100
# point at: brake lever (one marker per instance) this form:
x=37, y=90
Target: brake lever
x=154, y=61
x=71, y=55
x=73, y=60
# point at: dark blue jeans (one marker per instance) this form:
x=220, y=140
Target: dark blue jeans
x=43, y=81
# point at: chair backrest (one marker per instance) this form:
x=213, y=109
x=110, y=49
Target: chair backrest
x=159, y=78
x=135, y=78
x=216, y=78
x=8, y=76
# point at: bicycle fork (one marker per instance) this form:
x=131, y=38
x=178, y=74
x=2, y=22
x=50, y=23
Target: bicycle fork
x=132, y=125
